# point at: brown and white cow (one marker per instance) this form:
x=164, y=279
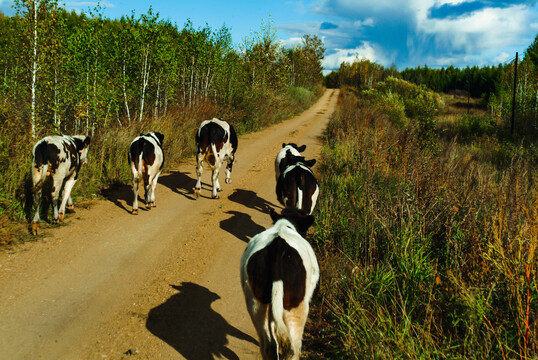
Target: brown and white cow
x=146, y=160
x=297, y=186
x=59, y=156
x=280, y=161
x=216, y=143
x=279, y=273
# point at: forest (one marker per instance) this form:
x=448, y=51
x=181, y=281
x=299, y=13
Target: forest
x=70, y=73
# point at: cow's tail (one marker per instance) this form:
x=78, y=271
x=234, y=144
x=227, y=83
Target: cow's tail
x=40, y=166
x=135, y=159
x=214, y=150
x=279, y=331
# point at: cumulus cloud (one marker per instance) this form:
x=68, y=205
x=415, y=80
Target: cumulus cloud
x=431, y=32
x=292, y=42
x=365, y=51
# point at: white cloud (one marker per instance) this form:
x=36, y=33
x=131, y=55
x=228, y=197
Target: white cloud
x=366, y=51
x=484, y=29
x=452, y=36
x=291, y=42
x=502, y=57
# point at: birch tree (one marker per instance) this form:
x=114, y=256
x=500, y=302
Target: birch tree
x=35, y=14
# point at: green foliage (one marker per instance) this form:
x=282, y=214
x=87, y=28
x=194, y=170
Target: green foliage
x=531, y=54
x=113, y=79
x=433, y=252
x=474, y=80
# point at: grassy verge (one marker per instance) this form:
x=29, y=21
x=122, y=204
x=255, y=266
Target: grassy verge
x=427, y=243
x=107, y=159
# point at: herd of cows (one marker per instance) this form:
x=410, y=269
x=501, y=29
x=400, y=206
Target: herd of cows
x=279, y=270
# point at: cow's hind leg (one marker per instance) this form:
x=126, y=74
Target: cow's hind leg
x=199, y=172
x=259, y=314
x=68, y=186
x=69, y=208
x=57, y=183
x=147, y=190
x=153, y=187
x=37, y=204
x=215, y=182
x=135, y=193
x=295, y=321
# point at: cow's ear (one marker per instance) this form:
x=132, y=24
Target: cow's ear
x=301, y=148
x=274, y=216
x=310, y=163
x=304, y=223
x=160, y=137
x=283, y=145
x=87, y=141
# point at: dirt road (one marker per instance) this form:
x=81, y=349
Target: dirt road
x=160, y=285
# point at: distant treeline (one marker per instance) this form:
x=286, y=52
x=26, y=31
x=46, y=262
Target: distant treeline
x=474, y=80
x=494, y=84
x=76, y=73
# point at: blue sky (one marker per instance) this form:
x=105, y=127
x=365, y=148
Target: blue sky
x=406, y=33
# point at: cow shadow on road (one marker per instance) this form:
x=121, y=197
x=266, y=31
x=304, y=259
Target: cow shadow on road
x=180, y=183
x=241, y=226
x=187, y=322
x=120, y=195
x=183, y=184
x=251, y=200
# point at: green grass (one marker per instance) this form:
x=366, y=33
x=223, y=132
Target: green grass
x=426, y=251
x=107, y=158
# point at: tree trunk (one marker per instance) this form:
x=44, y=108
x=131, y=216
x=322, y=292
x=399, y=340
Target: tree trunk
x=157, y=100
x=145, y=79
x=125, y=95
x=34, y=72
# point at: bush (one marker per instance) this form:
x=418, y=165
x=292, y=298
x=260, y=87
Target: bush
x=435, y=251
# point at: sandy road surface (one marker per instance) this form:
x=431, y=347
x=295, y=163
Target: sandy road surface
x=163, y=284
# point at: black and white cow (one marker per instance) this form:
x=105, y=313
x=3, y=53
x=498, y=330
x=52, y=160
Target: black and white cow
x=59, y=156
x=280, y=161
x=216, y=143
x=297, y=186
x=279, y=273
x=146, y=159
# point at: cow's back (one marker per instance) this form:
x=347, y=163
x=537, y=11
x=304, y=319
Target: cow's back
x=211, y=133
x=142, y=146
x=278, y=261
x=296, y=187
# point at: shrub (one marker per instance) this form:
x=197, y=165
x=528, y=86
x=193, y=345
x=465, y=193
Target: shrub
x=435, y=250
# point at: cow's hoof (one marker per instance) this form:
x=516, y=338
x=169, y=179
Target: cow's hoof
x=216, y=196
x=55, y=221
x=148, y=206
x=61, y=216
x=153, y=204
x=70, y=209
x=134, y=212
x=196, y=193
x=219, y=189
x=228, y=181
x=35, y=226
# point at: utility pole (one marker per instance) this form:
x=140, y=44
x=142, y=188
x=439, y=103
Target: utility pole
x=512, y=124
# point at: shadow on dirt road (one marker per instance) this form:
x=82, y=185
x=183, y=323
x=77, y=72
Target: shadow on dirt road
x=187, y=322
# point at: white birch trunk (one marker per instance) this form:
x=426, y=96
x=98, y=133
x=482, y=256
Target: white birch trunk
x=145, y=79
x=125, y=95
x=157, y=100
x=56, y=101
x=34, y=72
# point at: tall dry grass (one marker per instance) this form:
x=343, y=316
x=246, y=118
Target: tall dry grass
x=427, y=252
x=107, y=159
